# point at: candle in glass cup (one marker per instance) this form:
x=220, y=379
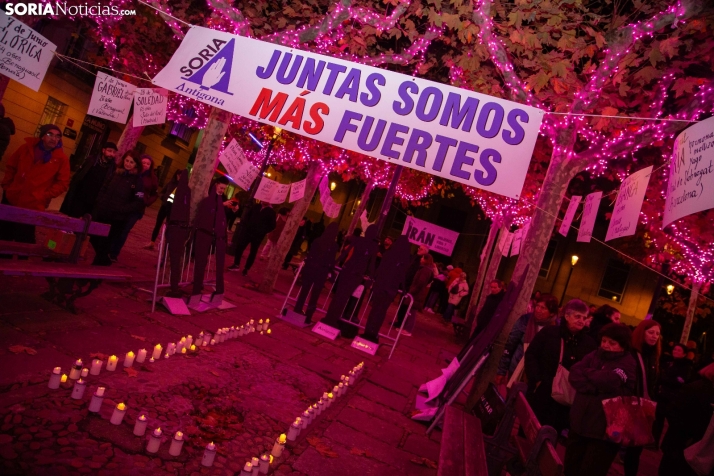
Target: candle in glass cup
x=294, y=430
x=118, y=415
x=76, y=371
x=140, y=425
x=176, y=444
x=55, y=378
x=259, y=327
x=264, y=464
x=157, y=352
x=184, y=350
x=78, y=390
x=193, y=347
x=305, y=420
x=199, y=340
x=96, y=367
x=279, y=446
x=129, y=359
x=209, y=455
x=255, y=462
x=247, y=469
x=112, y=363
x=154, y=441
x=84, y=373
x=141, y=356
x=266, y=324
x=189, y=341
x=213, y=341
x=96, y=403
x=63, y=379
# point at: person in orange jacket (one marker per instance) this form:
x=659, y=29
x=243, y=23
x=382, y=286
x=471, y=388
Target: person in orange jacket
x=35, y=173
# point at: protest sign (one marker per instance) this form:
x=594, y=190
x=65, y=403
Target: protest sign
x=150, y=106
x=569, y=215
x=331, y=208
x=265, y=190
x=461, y=135
x=628, y=205
x=434, y=237
x=111, y=98
x=232, y=158
x=691, y=173
x=587, y=222
x=297, y=190
x=26, y=54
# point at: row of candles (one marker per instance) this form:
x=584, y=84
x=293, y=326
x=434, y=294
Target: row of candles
x=184, y=346
x=261, y=465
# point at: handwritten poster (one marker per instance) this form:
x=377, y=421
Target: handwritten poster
x=691, y=173
x=297, y=190
x=331, y=208
x=364, y=220
x=587, y=222
x=517, y=239
x=233, y=158
x=25, y=55
x=266, y=189
x=628, y=205
x=150, y=106
x=280, y=193
x=111, y=98
x=569, y=215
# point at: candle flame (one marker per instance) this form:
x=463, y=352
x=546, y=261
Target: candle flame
x=64, y=378
x=142, y=417
x=112, y=358
x=57, y=370
x=130, y=354
x=158, y=346
x=121, y=407
x=283, y=438
x=193, y=347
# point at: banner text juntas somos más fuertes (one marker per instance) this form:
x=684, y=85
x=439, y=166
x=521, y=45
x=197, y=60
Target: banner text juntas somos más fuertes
x=478, y=140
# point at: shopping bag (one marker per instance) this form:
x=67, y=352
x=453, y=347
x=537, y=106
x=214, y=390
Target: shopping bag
x=561, y=391
x=629, y=420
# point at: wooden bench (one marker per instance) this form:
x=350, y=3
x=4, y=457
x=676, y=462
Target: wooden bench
x=522, y=438
x=68, y=280
x=462, y=446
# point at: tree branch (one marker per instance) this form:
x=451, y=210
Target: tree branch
x=241, y=25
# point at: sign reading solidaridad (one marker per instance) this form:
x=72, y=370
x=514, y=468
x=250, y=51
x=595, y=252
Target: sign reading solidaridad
x=478, y=140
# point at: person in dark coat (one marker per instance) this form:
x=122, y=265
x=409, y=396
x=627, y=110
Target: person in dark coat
x=167, y=201
x=151, y=194
x=388, y=280
x=673, y=376
x=119, y=199
x=7, y=129
x=87, y=182
x=315, y=231
x=523, y=332
x=259, y=222
x=688, y=416
x=605, y=373
x=211, y=230
x=300, y=236
x=602, y=316
x=543, y=356
x=646, y=350
x=419, y=289
x=318, y=264
x=494, y=298
x=414, y=265
x=178, y=230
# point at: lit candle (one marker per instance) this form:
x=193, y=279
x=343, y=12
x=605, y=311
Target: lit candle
x=234, y=332
x=141, y=357
x=64, y=378
x=78, y=390
x=264, y=464
x=260, y=325
x=151, y=360
x=193, y=347
x=341, y=390
x=96, y=367
x=129, y=359
x=204, y=343
x=279, y=446
x=118, y=415
x=157, y=352
x=313, y=413
x=176, y=444
x=76, y=371
x=335, y=391
x=330, y=399
x=140, y=425
x=171, y=350
x=321, y=406
x=255, y=463
x=270, y=331
x=210, y=453
x=167, y=355
x=305, y=420
x=294, y=430
x=199, y=340
x=266, y=325
x=222, y=335
x=112, y=363
x=207, y=338
x=96, y=404
x=213, y=341
x=189, y=341
x=183, y=350
x=247, y=469
x=85, y=372
x=154, y=441
x=180, y=346
x=346, y=388
x=241, y=331
x=55, y=378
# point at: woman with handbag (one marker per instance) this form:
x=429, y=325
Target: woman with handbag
x=646, y=349
x=605, y=373
x=550, y=355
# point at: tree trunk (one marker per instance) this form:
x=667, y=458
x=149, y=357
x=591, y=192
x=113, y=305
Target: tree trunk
x=277, y=254
x=388, y=198
x=360, y=208
x=691, y=310
x=533, y=247
x=486, y=254
x=129, y=138
x=207, y=156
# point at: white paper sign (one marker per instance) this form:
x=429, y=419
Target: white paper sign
x=280, y=193
x=569, y=215
x=691, y=173
x=628, y=205
x=364, y=220
x=266, y=189
x=232, y=158
x=111, y=98
x=471, y=138
x=587, y=222
x=297, y=190
x=517, y=238
x=435, y=238
x=501, y=244
x=150, y=106
x=331, y=208
x=507, y=244
x=25, y=54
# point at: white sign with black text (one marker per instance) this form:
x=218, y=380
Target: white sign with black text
x=569, y=215
x=25, y=55
x=435, y=238
x=111, y=98
x=626, y=213
x=150, y=106
x=587, y=222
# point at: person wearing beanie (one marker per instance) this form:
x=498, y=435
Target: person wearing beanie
x=7, y=129
x=35, y=173
x=646, y=350
x=88, y=181
x=607, y=372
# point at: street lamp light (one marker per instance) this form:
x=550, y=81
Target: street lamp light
x=670, y=288
x=573, y=261
x=333, y=186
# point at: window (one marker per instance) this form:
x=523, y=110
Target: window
x=614, y=280
x=547, y=259
x=52, y=113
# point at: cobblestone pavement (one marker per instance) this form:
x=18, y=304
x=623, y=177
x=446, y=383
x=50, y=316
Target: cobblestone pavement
x=240, y=394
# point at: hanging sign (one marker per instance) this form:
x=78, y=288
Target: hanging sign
x=435, y=238
x=569, y=215
x=111, y=98
x=517, y=238
x=271, y=191
x=691, y=172
x=280, y=193
x=628, y=205
x=331, y=208
x=238, y=167
x=461, y=135
x=150, y=106
x=364, y=220
x=297, y=190
x=587, y=222
x=25, y=54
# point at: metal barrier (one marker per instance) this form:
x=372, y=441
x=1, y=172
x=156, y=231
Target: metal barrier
x=289, y=298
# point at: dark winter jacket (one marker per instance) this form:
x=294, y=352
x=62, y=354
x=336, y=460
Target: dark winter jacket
x=261, y=221
x=85, y=186
x=7, y=129
x=599, y=376
x=487, y=311
x=170, y=187
x=672, y=377
x=650, y=363
x=121, y=196
x=513, y=352
x=418, y=288
x=151, y=187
